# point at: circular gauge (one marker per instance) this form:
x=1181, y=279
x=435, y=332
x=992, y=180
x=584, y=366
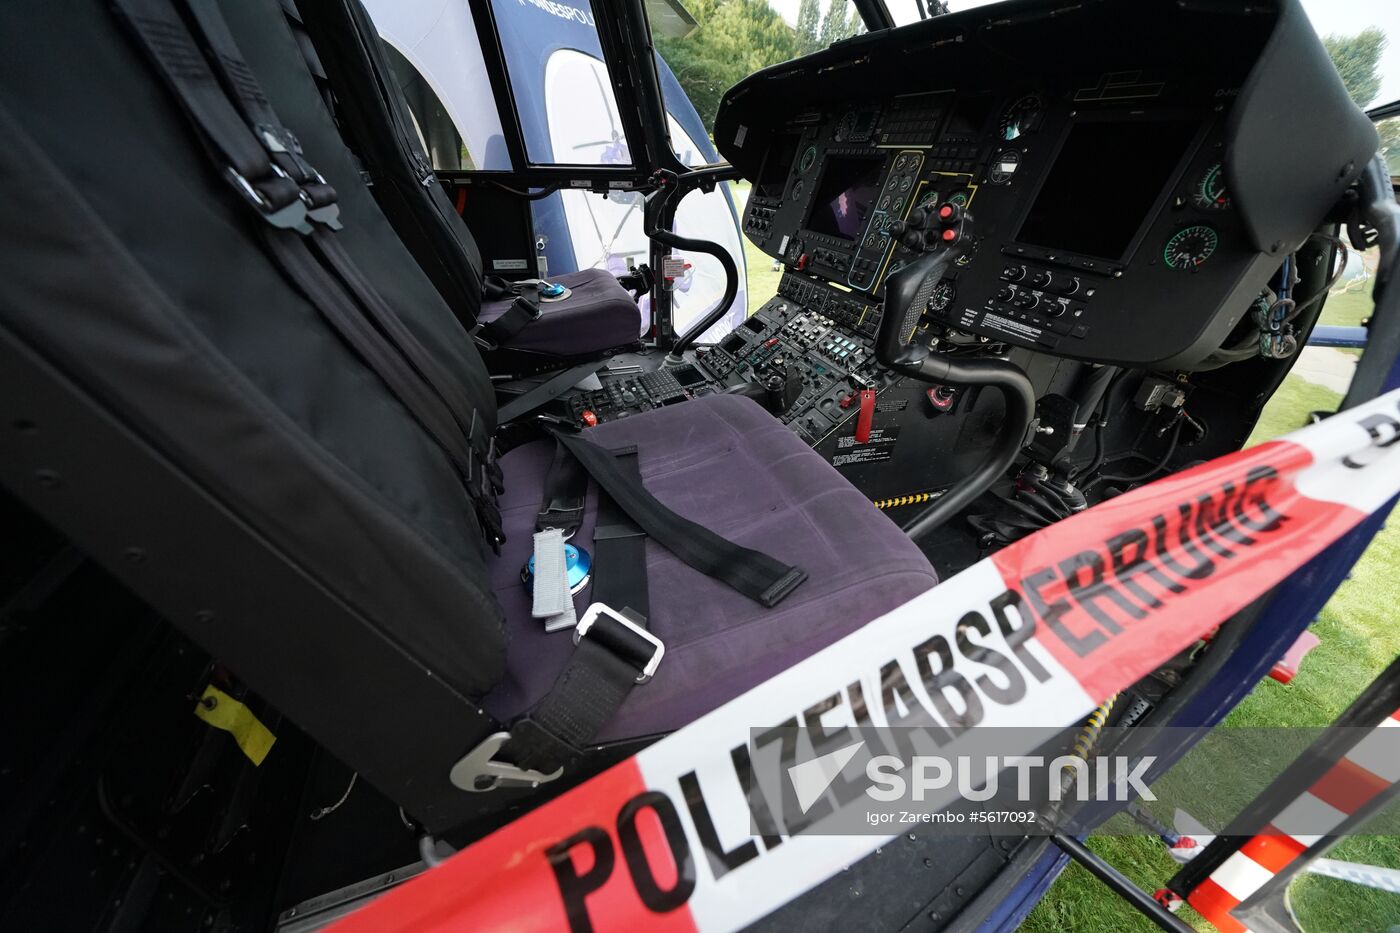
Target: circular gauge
x=1210, y=193
x=1020, y=118
x=1190, y=247
x=808, y=158
x=1004, y=166
x=797, y=188
x=942, y=298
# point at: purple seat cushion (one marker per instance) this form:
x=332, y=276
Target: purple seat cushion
x=598, y=315
x=724, y=462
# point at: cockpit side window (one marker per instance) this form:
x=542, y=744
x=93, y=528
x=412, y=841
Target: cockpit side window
x=445, y=147
x=436, y=56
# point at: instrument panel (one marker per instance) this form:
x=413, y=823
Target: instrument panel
x=1093, y=150
x=1102, y=232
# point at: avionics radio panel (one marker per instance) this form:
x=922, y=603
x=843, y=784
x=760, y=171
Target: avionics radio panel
x=1129, y=199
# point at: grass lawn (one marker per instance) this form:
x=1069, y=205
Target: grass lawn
x=763, y=278
x=1350, y=302
x=1360, y=635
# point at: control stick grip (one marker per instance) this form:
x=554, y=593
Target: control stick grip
x=907, y=293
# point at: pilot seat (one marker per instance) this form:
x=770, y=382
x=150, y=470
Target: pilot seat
x=296, y=433
x=518, y=326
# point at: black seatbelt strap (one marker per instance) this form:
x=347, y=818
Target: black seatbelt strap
x=242, y=160
x=243, y=89
x=620, y=548
x=496, y=333
x=545, y=392
x=613, y=655
x=758, y=576
x=565, y=494
x=522, y=311
x=496, y=288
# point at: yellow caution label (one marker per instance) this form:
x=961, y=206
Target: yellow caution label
x=224, y=712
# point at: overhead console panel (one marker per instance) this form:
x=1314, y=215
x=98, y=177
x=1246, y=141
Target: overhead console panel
x=1127, y=165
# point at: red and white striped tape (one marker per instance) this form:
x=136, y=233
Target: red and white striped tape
x=1368, y=768
x=1042, y=630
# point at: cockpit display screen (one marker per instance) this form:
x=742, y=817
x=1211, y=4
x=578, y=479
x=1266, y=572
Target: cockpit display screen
x=1104, y=182
x=773, y=177
x=846, y=195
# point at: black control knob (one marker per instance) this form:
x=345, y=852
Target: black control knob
x=1068, y=285
x=1042, y=279
x=1054, y=309
x=1026, y=301
x=1005, y=293
x=1013, y=273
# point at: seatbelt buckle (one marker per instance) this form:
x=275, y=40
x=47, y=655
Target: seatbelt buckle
x=289, y=216
x=477, y=334
x=478, y=770
x=623, y=636
x=532, y=310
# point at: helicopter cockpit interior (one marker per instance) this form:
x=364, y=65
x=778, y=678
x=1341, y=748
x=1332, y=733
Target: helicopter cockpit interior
x=304, y=405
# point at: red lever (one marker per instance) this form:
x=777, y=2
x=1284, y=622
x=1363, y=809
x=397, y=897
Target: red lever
x=589, y=418
x=867, y=415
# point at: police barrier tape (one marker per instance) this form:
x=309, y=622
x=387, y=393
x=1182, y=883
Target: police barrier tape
x=1040, y=632
x=1368, y=769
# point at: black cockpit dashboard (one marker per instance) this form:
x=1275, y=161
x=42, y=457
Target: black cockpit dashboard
x=1096, y=158
x=1127, y=193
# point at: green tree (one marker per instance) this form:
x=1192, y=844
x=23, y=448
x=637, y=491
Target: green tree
x=854, y=24
x=733, y=38
x=1357, y=59
x=809, y=20
x=834, y=23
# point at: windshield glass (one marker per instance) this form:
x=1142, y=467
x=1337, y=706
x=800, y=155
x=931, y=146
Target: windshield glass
x=730, y=39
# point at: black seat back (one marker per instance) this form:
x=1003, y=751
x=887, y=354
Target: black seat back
x=175, y=404
x=373, y=114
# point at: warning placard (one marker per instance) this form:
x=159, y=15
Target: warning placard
x=880, y=447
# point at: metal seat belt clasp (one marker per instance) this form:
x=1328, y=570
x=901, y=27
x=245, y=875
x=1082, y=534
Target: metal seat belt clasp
x=478, y=771
x=621, y=633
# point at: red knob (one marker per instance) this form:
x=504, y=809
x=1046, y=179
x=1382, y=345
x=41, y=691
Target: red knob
x=946, y=212
x=589, y=418
x=949, y=235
